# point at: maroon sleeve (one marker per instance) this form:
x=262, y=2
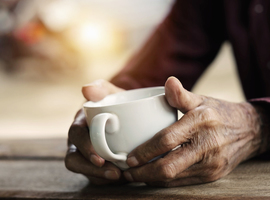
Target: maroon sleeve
x=182, y=46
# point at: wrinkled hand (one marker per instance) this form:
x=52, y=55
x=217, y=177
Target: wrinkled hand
x=81, y=156
x=215, y=136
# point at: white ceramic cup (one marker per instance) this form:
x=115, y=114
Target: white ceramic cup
x=122, y=121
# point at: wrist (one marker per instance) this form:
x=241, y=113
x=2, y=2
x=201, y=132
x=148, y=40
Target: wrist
x=264, y=121
x=252, y=123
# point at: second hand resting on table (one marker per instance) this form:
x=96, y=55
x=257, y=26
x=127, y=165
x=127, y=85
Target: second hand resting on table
x=216, y=136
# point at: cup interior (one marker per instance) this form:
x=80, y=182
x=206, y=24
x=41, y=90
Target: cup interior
x=127, y=97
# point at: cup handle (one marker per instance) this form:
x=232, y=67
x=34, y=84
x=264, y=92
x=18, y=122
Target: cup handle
x=101, y=123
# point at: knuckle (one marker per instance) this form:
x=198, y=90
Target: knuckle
x=78, y=136
x=221, y=166
x=71, y=132
x=79, y=114
x=211, y=178
x=209, y=119
x=216, y=169
x=216, y=166
x=208, y=114
x=167, y=172
x=168, y=140
x=69, y=160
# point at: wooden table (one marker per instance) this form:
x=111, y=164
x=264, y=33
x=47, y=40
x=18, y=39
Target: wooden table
x=34, y=169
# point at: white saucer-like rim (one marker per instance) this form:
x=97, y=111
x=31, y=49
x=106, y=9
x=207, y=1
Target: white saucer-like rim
x=91, y=104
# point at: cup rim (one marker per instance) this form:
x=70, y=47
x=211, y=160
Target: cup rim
x=85, y=105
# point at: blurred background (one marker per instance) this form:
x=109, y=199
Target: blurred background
x=49, y=49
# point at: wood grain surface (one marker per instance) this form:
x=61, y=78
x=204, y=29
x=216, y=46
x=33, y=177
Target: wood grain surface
x=37, y=176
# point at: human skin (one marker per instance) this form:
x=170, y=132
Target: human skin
x=215, y=136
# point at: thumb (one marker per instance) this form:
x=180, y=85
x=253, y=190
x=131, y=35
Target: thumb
x=99, y=89
x=179, y=97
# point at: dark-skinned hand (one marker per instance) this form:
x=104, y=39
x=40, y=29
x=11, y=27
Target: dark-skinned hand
x=215, y=136
x=81, y=156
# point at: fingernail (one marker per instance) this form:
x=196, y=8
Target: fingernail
x=128, y=176
x=111, y=174
x=89, y=85
x=95, y=160
x=95, y=83
x=132, y=161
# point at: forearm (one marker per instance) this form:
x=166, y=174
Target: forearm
x=138, y=72
x=182, y=46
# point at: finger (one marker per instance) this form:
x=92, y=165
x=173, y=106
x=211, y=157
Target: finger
x=179, y=97
x=167, y=168
x=165, y=140
x=75, y=162
x=79, y=136
x=99, y=89
x=197, y=170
